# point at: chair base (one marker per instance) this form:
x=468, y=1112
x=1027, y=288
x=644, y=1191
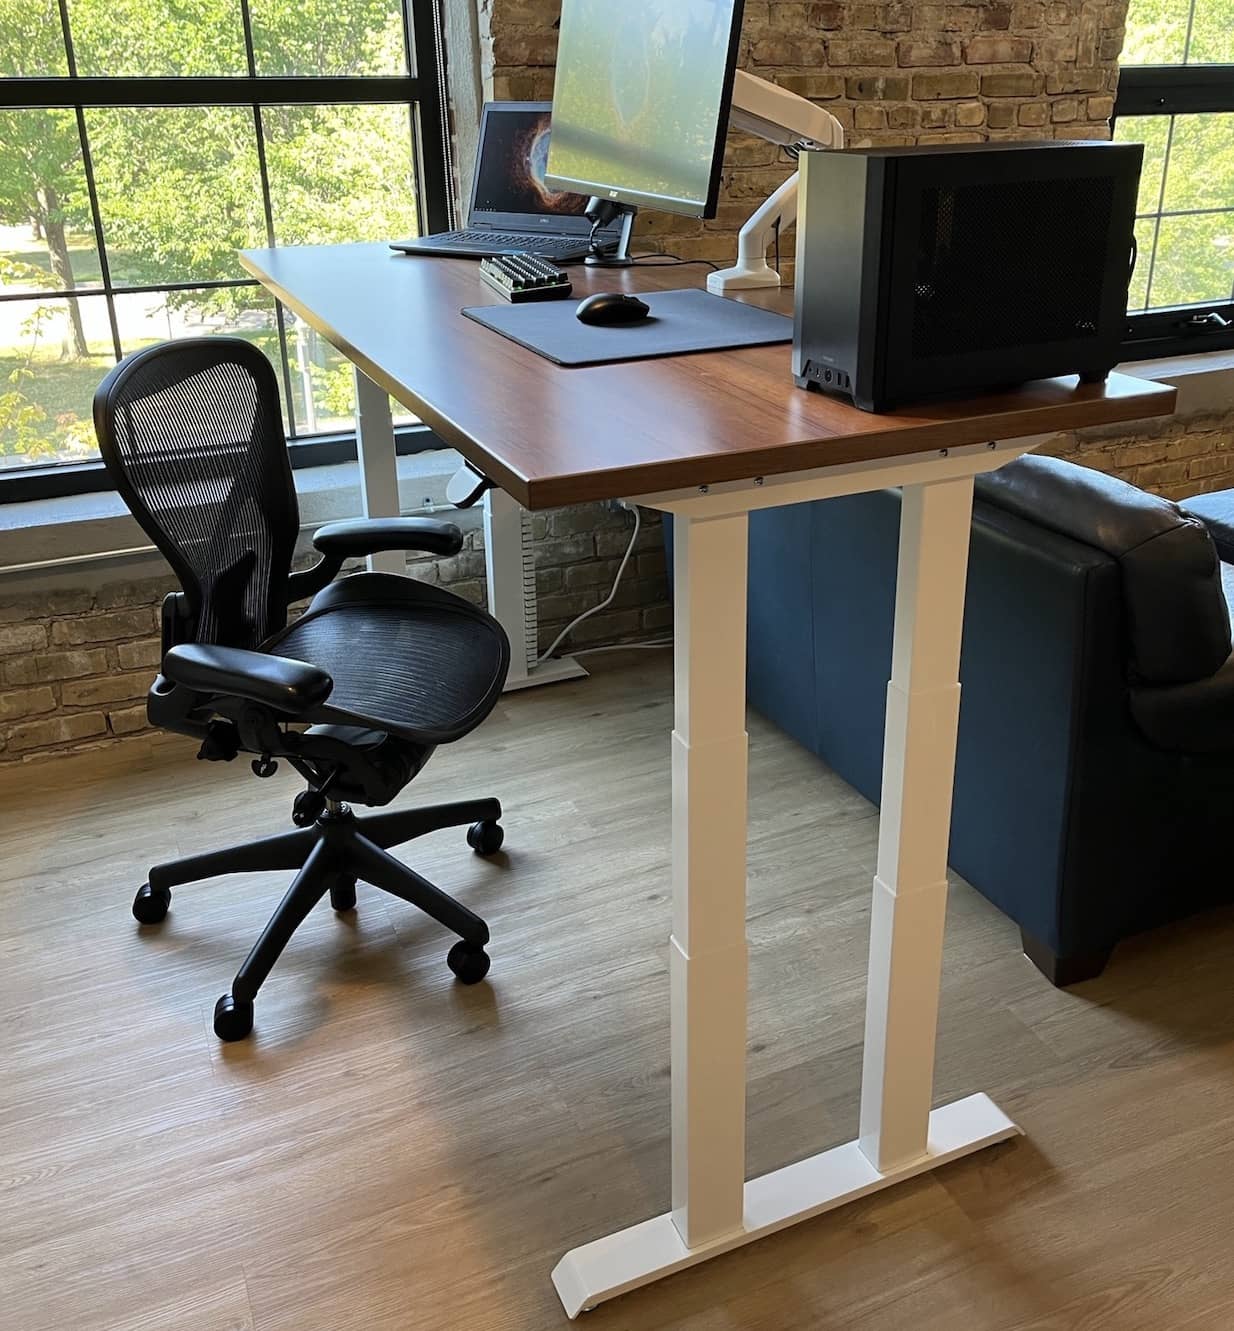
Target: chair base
x=330, y=857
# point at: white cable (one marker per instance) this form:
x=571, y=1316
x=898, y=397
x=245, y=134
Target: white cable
x=626, y=647
x=608, y=600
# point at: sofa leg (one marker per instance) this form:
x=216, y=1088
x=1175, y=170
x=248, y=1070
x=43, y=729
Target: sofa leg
x=1062, y=971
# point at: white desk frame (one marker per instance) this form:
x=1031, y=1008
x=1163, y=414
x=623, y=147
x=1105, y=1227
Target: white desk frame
x=714, y=1208
x=510, y=576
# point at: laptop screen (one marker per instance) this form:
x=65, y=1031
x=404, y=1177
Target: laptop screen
x=512, y=158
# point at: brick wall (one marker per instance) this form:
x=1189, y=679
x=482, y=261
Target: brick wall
x=75, y=665
x=1174, y=457
x=891, y=74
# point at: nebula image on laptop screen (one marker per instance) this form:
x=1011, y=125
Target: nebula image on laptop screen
x=513, y=161
x=638, y=97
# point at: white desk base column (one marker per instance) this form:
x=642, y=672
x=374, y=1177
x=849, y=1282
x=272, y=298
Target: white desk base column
x=378, y=465
x=910, y=889
x=712, y=1211
x=509, y=565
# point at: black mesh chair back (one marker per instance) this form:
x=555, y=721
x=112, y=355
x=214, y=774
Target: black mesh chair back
x=192, y=434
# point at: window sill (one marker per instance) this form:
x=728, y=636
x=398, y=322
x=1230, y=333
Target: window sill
x=90, y=539
x=1205, y=380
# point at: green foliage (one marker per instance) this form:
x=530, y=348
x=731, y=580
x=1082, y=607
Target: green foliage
x=179, y=189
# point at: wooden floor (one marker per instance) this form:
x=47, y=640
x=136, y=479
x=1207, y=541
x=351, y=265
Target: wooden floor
x=393, y=1151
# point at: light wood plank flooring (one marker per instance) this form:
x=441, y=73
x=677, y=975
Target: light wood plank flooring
x=393, y=1151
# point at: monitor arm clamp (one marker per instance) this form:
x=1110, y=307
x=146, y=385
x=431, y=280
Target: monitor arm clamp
x=781, y=117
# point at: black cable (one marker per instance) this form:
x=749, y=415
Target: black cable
x=675, y=261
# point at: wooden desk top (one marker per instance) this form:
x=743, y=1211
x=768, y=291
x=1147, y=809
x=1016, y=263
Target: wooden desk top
x=549, y=435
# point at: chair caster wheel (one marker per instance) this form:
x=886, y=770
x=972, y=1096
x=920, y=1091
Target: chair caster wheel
x=469, y=962
x=151, y=903
x=343, y=894
x=486, y=838
x=232, y=1020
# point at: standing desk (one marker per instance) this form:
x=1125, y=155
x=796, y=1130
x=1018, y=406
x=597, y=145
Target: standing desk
x=709, y=438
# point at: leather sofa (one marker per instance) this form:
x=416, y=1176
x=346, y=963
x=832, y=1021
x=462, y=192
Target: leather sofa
x=1095, y=765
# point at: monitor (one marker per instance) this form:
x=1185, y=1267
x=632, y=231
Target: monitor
x=641, y=101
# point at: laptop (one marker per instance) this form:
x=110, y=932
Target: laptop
x=512, y=210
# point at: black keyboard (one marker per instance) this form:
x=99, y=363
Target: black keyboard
x=522, y=242
x=473, y=241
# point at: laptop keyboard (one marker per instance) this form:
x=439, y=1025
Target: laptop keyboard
x=503, y=240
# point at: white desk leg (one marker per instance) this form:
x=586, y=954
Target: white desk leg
x=910, y=889
x=899, y=1137
x=378, y=465
x=707, y=951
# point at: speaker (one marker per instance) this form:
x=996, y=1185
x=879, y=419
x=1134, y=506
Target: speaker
x=936, y=270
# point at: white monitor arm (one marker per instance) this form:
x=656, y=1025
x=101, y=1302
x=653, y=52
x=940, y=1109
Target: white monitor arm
x=781, y=117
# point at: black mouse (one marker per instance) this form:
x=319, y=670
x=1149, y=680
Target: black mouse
x=612, y=307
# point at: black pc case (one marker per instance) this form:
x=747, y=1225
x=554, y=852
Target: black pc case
x=934, y=270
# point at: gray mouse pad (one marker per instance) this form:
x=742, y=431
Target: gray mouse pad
x=679, y=322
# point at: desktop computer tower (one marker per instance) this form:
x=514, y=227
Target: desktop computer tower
x=936, y=270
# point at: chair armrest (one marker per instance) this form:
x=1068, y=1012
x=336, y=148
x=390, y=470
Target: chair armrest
x=291, y=687
x=370, y=536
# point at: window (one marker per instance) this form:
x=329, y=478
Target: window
x=142, y=142
x=1176, y=96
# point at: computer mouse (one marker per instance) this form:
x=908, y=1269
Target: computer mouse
x=612, y=307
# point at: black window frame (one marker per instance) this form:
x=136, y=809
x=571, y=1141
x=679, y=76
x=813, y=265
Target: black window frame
x=1174, y=90
x=423, y=91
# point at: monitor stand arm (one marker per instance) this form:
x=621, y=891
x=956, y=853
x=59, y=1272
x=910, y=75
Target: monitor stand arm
x=602, y=212
x=783, y=118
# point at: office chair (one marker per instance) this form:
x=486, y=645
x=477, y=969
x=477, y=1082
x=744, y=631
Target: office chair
x=355, y=694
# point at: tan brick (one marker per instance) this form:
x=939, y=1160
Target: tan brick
x=18, y=703
x=524, y=46
x=869, y=118
x=903, y=117
x=970, y=113
x=817, y=87
x=1100, y=108
x=1001, y=115
x=1033, y=113
x=878, y=88
x=935, y=117
x=826, y=15
x=1010, y=85
x=45, y=667
x=928, y=53
x=125, y=720
x=45, y=605
x=105, y=627
x=931, y=87
x=997, y=16
x=997, y=50
x=20, y=638
x=56, y=730
x=1066, y=108
x=1075, y=80
x=146, y=652
x=1028, y=15
x=783, y=48
x=106, y=689
x=861, y=51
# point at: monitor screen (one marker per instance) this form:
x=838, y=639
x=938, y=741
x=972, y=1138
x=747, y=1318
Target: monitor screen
x=640, y=106
x=513, y=159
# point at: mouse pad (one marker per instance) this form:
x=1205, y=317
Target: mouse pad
x=679, y=322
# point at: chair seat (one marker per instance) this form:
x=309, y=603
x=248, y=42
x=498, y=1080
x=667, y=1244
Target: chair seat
x=411, y=659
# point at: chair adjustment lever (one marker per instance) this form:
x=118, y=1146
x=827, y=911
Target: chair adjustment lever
x=264, y=766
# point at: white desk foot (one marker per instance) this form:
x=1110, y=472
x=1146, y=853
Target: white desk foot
x=551, y=672
x=644, y=1253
